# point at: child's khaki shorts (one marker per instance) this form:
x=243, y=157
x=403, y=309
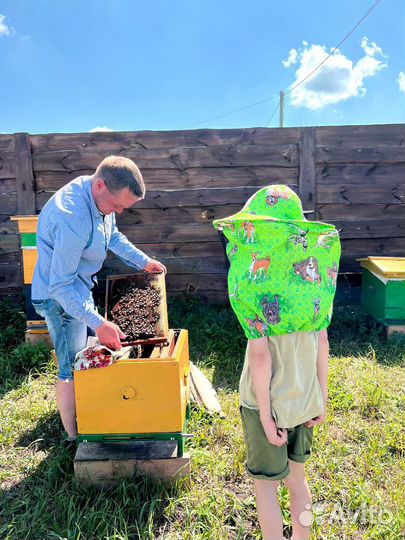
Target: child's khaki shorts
x=266, y=461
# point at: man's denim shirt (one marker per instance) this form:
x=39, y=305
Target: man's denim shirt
x=72, y=241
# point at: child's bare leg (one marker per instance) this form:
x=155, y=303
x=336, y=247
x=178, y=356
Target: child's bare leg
x=300, y=501
x=268, y=509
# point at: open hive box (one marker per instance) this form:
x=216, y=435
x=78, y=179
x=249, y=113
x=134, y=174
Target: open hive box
x=145, y=392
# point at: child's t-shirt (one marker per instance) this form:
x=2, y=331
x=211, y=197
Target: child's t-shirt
x=295, y=391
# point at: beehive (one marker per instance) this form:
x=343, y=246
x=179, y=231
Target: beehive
x=27, y=227
x=135, y=396
x=383, y=289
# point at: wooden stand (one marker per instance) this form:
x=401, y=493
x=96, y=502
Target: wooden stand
x=104, y=464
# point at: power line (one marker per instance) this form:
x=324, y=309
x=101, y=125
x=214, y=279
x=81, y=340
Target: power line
x=232, y=112
x=272, y=114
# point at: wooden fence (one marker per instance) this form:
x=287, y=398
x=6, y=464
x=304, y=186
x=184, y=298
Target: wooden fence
x=352, y=176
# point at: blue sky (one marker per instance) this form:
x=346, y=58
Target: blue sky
x=72, y=66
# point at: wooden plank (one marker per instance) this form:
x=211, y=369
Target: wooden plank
x=9, y=243
x=371, y=228
x=8, y=185
x=350, y=212
x=10, y=275
x=14, y=295
x=366, y=154
x=307, y=180
x=179, y=158
x=153, y=234
x=359, y=136
x=114, y=142
x=199, y=197
x=24, y=174
x=357, y=194
x=8, y=203
x=197, y=177
x=178, y=265
x=6, y=225
x=104, y=464
x=360, y=174
x=7, y=167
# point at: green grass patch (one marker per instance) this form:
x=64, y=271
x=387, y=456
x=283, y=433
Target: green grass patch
x=356, y=473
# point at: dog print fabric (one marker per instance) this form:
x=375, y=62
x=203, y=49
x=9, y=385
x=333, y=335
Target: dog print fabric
x=283, y=268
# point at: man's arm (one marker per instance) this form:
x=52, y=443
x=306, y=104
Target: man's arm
x=322, y=366
x=260, y=370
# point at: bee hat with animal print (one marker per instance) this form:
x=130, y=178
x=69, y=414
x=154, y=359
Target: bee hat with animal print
x=283, y=268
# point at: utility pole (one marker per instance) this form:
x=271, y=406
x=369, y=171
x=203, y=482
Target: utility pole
x=281, y=109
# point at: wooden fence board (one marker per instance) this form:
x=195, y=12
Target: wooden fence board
x=307, y=178
x=350, y=212
x=174, y=158
x=359, y=136
x=24, y=175
x=197, y=197
x=7, y=226
x=361, y=174
x=116, y=142
x=357, y=194
x=366, y=154
x=7, y=165
x=10, y=275
x=192, y=178
x=9, y=243
x=8, y=185
x=8, y=204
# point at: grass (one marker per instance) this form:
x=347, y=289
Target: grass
x=356, y=473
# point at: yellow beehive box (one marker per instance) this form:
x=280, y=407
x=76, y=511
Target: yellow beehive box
x=133, y=396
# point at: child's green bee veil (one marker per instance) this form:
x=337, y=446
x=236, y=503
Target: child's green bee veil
x=283, y=268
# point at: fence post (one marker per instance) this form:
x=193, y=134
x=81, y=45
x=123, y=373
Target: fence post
x=24, y=174
x=307, y=180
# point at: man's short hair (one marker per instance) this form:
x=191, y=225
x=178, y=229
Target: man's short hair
x=120, y=172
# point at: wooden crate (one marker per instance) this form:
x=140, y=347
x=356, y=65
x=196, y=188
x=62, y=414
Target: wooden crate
x=133, y=396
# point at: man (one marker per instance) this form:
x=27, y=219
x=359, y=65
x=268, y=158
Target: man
x=75, y=230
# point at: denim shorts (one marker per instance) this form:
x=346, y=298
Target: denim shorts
x=266, y=461
x=68, y=335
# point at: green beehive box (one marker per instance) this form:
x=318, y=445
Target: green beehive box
x=383, y=289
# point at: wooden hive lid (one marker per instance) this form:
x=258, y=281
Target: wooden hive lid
x=388, y=267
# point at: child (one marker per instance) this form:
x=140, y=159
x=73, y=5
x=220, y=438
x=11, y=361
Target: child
x=282, y=280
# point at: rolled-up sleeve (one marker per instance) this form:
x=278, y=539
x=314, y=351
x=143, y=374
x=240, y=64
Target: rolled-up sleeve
x=69, y=243
x=125, y=250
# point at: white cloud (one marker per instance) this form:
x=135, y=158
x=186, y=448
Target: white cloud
x=337, y=79
x=292, y=58
x=5, y=29
x=401, y=81
x=100, y=128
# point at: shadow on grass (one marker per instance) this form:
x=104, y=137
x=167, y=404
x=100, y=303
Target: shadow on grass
x=217, y=340
x=48, y=504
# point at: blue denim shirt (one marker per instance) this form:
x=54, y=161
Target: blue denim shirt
x=72, y=240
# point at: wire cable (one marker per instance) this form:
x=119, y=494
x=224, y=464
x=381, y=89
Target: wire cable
x=233, y=112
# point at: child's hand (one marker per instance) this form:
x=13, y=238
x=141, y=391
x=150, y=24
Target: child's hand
x=315, y=421
x=276, y=436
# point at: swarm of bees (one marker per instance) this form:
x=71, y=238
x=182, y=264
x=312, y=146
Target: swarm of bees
x=137, y=312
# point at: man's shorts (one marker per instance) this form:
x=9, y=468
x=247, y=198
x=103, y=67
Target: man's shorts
x=266, y=461
x=68, y=335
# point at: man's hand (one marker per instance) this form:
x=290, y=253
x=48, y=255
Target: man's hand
x=109, y=335
x=315, y=421
x=155, y=267
x=276, y=436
